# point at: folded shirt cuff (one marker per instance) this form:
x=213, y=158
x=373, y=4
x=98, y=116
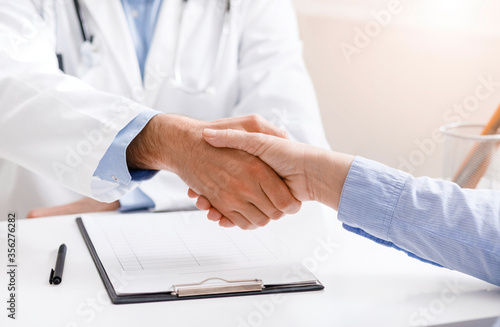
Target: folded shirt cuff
x=369, y=196
x=113, y=165
x=136, y=200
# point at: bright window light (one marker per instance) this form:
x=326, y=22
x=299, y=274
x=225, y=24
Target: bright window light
x=449, y=14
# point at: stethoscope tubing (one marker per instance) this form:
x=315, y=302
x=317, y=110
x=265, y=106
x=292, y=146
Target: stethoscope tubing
x=178, y=80
x=79, y=15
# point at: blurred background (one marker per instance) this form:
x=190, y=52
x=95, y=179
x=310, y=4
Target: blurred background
x=389, y=73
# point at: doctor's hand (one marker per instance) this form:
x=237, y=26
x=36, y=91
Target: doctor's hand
x=84, y=205
x=310, y=173
x=241, y=186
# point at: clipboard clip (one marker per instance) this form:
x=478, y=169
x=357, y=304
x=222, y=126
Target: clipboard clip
x=226, y=286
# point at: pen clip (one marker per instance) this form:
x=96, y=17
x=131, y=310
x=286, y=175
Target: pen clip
x=54, y=280
x=51, y=278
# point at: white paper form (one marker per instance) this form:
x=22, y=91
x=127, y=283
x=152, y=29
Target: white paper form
x=156, y=251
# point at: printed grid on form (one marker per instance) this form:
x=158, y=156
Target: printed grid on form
x=171, y=247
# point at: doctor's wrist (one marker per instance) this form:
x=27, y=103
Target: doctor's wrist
x=144, y=150
x=162, y=144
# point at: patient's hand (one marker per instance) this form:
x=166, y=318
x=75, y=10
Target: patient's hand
x=285, y=157
x=310, y=173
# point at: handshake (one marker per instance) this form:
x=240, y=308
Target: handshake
x=243, y=170
x=266, y=175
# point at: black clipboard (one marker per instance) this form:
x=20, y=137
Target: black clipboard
x=194, y=291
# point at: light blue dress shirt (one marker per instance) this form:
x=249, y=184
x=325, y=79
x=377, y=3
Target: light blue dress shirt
x=142, y=16
x=433, y=220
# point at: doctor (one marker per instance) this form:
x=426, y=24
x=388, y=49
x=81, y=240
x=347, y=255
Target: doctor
x=129, y=67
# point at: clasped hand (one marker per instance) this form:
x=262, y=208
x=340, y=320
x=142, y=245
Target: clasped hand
x=285, y=157
x=311, y=174
x=242, y=187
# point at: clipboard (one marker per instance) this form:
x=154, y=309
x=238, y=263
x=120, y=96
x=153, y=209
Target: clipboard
x=207, y=288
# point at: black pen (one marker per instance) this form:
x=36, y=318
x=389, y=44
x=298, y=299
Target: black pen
x=56, y=275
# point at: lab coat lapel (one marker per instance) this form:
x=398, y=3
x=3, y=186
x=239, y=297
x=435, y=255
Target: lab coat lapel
x=162, y=52
x=112, y=24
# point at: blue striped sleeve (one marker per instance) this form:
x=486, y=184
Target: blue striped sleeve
x=433, y=220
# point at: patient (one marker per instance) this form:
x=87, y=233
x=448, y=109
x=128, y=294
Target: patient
x=433, y=220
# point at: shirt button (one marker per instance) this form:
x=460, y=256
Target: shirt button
x=135, y=13
x=115, y=178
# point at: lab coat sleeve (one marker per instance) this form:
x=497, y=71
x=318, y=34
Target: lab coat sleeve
x=273, y=80
x=51, y=123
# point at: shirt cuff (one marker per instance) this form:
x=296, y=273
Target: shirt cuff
x=369, y=198
x=136, y=200
x=113, y=165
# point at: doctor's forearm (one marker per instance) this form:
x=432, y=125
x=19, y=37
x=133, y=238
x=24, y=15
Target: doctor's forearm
x=148, y=149
x=167, y=142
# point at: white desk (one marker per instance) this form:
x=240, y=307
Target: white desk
x=365, y=285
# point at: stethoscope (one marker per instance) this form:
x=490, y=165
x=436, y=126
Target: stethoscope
x=88, y=49
x=90, y=56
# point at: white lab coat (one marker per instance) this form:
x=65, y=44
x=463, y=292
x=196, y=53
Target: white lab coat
x=55, y=127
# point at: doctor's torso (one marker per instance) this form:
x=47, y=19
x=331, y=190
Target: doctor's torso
x=261, y=72
x=110, y=63
x=112, y=66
